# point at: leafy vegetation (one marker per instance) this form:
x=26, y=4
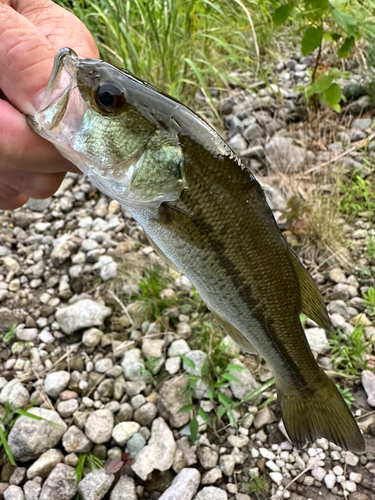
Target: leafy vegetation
x=369, y=297
x=10, y=334
x=347, y=351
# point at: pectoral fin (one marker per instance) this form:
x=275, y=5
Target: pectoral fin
x=313, y=304
x=236, y=335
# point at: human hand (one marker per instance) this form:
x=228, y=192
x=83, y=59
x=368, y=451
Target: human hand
x=31, y=32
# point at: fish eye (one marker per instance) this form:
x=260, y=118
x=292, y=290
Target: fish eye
x=109, y=98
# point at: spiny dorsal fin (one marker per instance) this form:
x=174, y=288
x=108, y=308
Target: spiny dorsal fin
x=236, y=335
x=313, y=304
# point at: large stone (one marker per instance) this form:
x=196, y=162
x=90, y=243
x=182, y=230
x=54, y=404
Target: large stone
x=45, y=463
x=82, y=314
x=61, y=484
x=211, y=493
x=198, y=358
x=172, y=397
x=368, y=382
x=132, y=365
x=56, y=382
x=283, y=155
x=29, y=438
x=178, y=347
x=13, y=493
x=184, y=485
x=75, y=441
x=99, y=426
x=317, y=338
x=124, y=489
x=33, y=488
x=246, y=382
x=14, y=393
x=159, y=452
x=95, y=485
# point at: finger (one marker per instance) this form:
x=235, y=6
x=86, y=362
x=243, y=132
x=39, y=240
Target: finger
x=34, y=184
x=26, y=60
x=13, y=202
x=58, y=25
x=22, y=149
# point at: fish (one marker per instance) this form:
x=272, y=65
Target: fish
x=207, y=215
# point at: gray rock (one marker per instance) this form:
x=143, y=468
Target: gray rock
x=124, y=489
x=45, y=464
x=75, y=441
x=263, y=417
x=32, y=489
x=317, y=338
x=67, y=408
x=125, y=413
x=29, y=438
x=99, y=426
x=227, y=464
x=338, y=307
x=15, y=393
x=276, y=197
x=92, y=337
x=123, y=431
x=207, y=457
x=27, y=334
x=237, y=143
x=135, y=444
x=61, y=484
x=283, y=155
x=152, y=348
x=18, y=476
x=56, y=382
x=368, y=382
x=184, y=485
x=211, y=493
x=356, y=135
x=38, y=205
x=198, y=358
x=173, y=365
x=211, y=476
x=159, y=452
x=254, y=152
x=14, y=493
x=103, y=365
x=108, y=270
x=82, y=314
x=172, y=397
x=361, y=123
x=145, y=414
x=178, y=347
x=95, y=485
x=132, y=365
x=253, y=132
x=62, y=252
x=246, y=384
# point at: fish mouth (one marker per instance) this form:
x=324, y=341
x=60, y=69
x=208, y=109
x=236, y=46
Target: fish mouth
x=62, y=82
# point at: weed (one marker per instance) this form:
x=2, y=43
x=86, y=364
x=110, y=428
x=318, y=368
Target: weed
x=7, y=421
x=87, y=462
x=369, y=298
x=347, y=395
x=257, y=486
x=347, y=352
x=357, y=197
x=10, y=334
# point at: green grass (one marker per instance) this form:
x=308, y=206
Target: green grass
x=10, y=334
x=87, y=462
x=357, y=197
x=369, y=298
x=347, y=352
x=177, y=45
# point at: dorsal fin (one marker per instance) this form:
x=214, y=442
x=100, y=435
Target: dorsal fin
x=312, y=302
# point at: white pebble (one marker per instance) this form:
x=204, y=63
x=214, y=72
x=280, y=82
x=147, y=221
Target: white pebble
x=338, y=470
x=267, y=453
x=355, y=477
x=276, y=477
x=272, y=466
x=351, y=459
x=350, y=486
x=330, y=480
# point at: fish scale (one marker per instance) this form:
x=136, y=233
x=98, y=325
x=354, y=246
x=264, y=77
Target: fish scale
x=207, y=216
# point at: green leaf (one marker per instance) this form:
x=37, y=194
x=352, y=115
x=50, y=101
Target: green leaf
x=204, y=416
x=320, y=85
x=193, y=429
x=311, y=39
x=333, y=96
x=8, y=451
x=220, y=411
x=281, y=14
x=231, y=378
x=234, y=368
x=189, y=362
x=346, y=47
x=186, y=408
x=336, y=37
x=224, y=400
x=211, y=394
x=368, y=29
x=346, y=21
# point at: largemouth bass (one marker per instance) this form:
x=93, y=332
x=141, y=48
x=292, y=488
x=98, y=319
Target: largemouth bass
x=208, y=216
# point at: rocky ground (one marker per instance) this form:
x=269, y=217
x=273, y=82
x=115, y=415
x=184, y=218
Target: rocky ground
x=104, y=381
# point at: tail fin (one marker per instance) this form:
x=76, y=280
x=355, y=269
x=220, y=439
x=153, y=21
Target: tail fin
x=322, y=412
